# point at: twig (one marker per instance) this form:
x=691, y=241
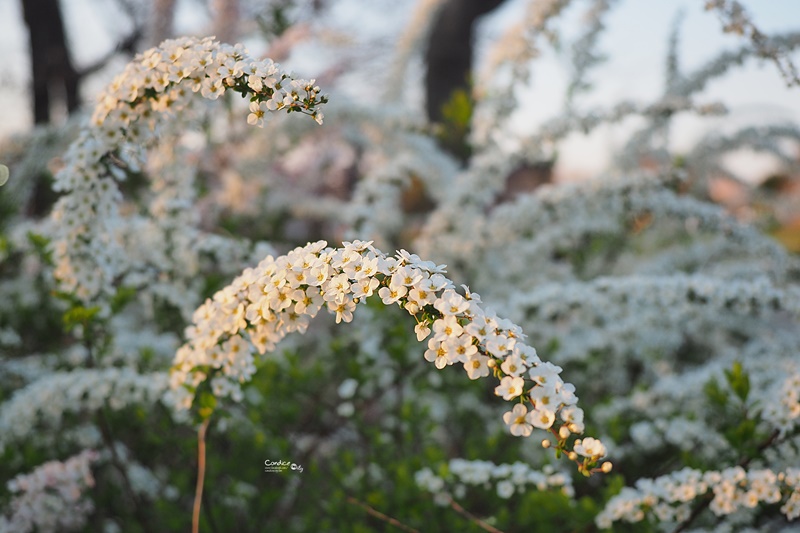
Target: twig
x=736, y=20
x=377, y=514
x=201, y=474
x=472, y=518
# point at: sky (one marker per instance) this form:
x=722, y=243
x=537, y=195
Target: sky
x=635, y=42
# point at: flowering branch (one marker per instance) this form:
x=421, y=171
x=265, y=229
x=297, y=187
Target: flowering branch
x=132, y=111
x=281, y=295
x=736, y=20
x=706, y=502
x=669, y=497
x=51, y=498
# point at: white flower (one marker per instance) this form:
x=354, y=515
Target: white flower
x=545, y=373
x=462, y=348
x=480, y=327
x=517, y=420
x=499, y=345
x=446, y=328
x=451, y=303
x=211, y=88
x=505, y=489
x=344, y=310
x=476, y=366
x=258, y=111
x=422, y=330
x=365, y=287
x=346, y=409
x=406, y=275
x=590, y=447
x=420, y=296
x=513, y=365
x=347, y=388
x=392, y=293
x=510, y=387
x=437, y=353
x=541, y=418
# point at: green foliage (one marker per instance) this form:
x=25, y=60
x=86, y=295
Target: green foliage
x=121, y=298
x=41, y=246
x=79, y=316
x=738, y=381
x=737, y=426
x=456, y=119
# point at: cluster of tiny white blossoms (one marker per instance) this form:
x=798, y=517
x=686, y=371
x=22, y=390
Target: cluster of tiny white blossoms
x=506, y=479
x=50, y=498
x=567, y=215
x=44, y=402
x=130, y=114
x=621, y=315
x=283, y=294
x=675, y=411
x=670, y=498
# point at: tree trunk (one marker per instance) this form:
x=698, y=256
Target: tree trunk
x=448, y=57
x=53, y=75
x=226, y=20
x=162, y=18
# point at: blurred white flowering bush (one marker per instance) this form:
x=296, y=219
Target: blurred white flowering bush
x=184, y=240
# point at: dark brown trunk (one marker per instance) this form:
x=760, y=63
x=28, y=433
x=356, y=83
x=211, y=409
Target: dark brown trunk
x=52, y=72
x=448, y=57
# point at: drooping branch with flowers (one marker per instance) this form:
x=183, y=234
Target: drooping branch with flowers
x=283, y=294
x=157, y=86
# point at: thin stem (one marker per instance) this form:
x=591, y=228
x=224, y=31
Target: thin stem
x=472, y=518
x=377, y=514
x=201, y=474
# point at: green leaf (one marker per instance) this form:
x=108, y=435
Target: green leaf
x=741, y=436
x=79, y=315
x=41, y=244
x=123, y=296
x=206, y=402
x=738, y=380
x=715, y=394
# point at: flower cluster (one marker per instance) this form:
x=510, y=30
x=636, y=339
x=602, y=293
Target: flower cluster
x=676, y=409
x=51, y=497
x=666, y=308
x=506, y=479
x=283, y=294
x=45, y=402
x=669, y=498
x=130, y=114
